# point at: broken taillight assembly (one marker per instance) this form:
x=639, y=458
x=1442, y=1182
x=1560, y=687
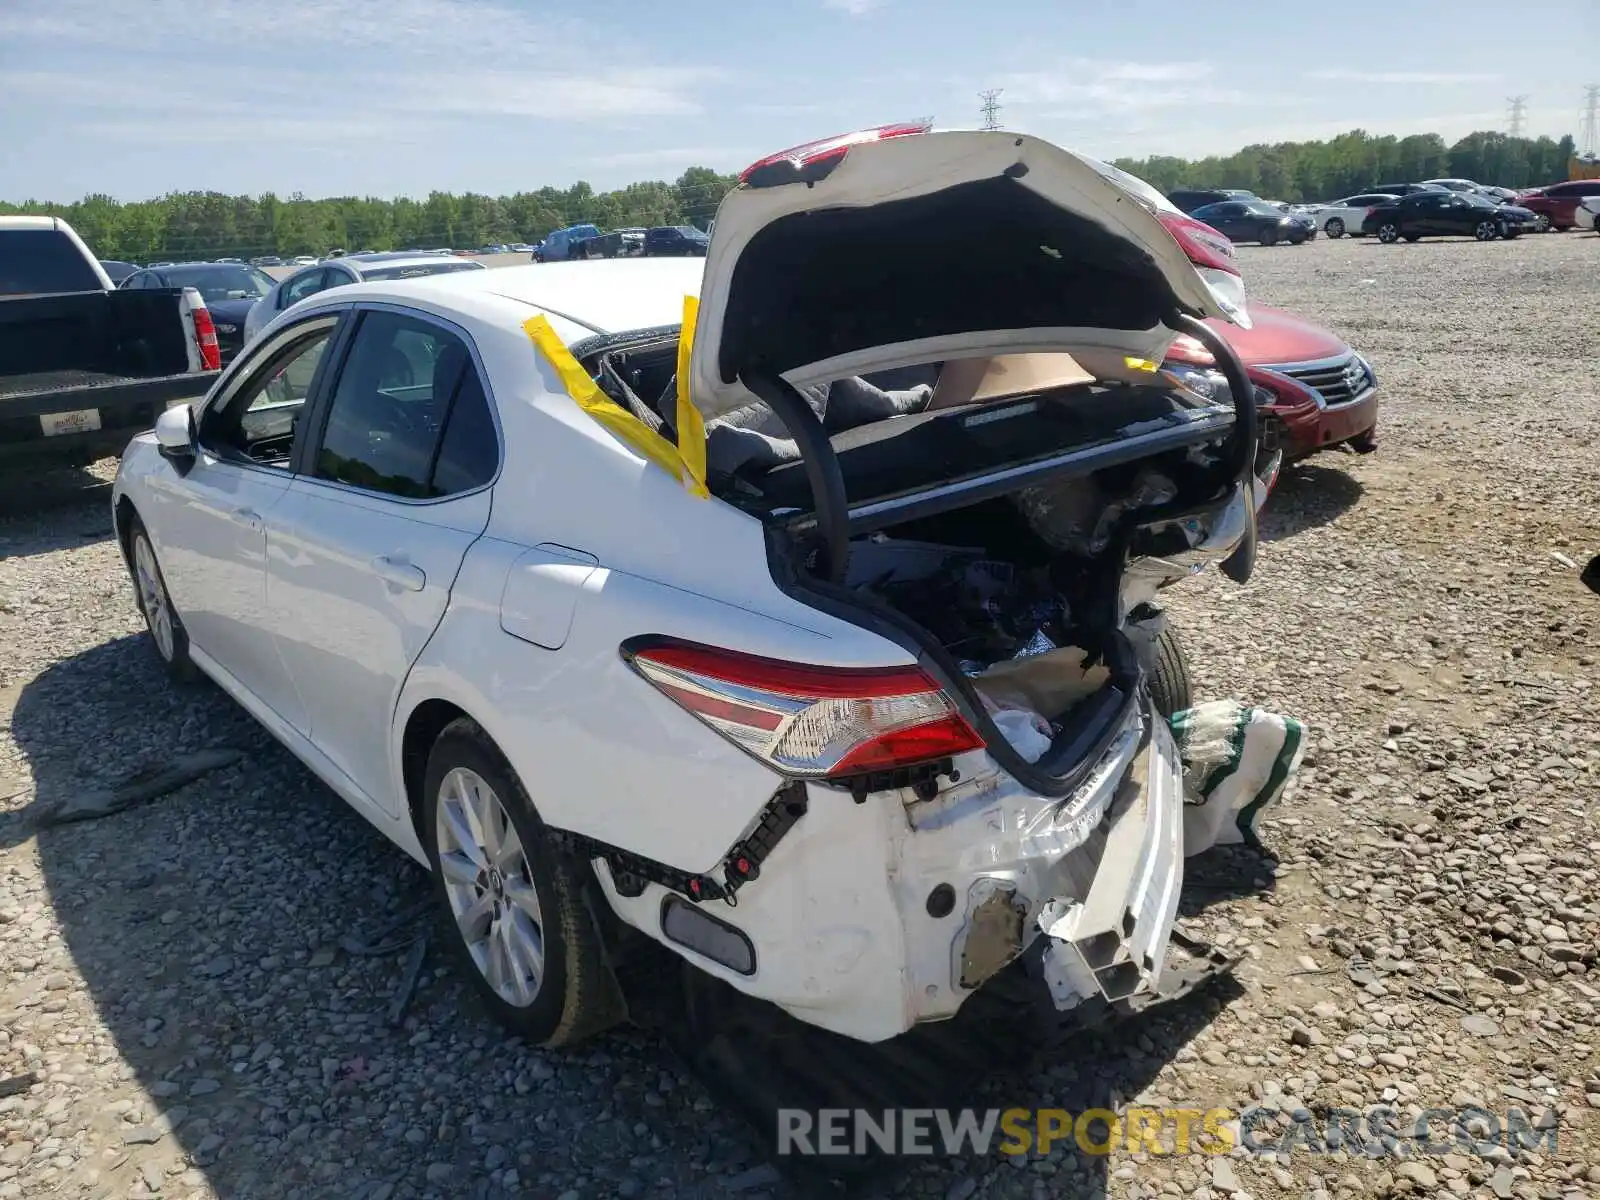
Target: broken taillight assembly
x=816, y=160
x=809, y=722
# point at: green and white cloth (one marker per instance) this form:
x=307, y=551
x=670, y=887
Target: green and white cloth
x=1236, y=762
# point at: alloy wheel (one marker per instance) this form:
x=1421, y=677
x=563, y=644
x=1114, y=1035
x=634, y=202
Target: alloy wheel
x=1486, y=231
x=153, y=596
x=1335, y=228
x=489, y=885
x=1541, y=223
x=1388, y=233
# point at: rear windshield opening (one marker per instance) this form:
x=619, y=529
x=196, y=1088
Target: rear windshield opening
x=990, y=254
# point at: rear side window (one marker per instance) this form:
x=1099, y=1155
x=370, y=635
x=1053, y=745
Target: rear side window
x=409, y=416
x=40, y=261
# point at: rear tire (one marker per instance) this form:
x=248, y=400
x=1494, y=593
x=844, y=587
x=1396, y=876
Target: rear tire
x=1269, y=237
x=1541, y=223
x=168, y=638
x=1170, y=688
x=508, y=889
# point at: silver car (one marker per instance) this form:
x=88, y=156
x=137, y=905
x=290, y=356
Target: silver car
x=350, y=268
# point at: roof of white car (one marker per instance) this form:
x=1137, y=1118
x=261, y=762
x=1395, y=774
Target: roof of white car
x=611, y=295
x=24, y=222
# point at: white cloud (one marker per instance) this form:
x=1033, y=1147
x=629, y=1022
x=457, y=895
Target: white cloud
x=856, y=8
x=1085, y=86
x=1424, y=78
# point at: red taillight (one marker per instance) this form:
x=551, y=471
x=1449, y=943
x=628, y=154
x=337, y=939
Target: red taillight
x=806, y=721
x=205, y=337
x=1203, y=244
x=816, y=160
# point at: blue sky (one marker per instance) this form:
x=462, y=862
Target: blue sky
x=389, y=97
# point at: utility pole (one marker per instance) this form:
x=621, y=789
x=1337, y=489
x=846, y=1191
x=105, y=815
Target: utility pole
x=1519, y=115
x=990, y=108
x=1591, y=119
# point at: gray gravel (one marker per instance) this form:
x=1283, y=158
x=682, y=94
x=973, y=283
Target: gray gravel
x=177, y=975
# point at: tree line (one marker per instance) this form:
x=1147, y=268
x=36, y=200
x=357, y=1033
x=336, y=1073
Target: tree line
x=1354, y=161
x=207, y=225
x=204, y=225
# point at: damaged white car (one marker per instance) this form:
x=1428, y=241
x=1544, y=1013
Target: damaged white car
x=850, y=725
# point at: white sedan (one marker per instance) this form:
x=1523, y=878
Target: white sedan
x=1340, y=217
x=459, y=545
x=317, y=277
x=1587, y=214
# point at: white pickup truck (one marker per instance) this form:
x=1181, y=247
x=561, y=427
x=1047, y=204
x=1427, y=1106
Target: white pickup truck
x=84, y=366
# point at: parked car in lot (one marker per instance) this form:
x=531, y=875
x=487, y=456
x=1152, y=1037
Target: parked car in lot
x=1454, y=185
x=1405, y=189
x=352, y=268
x=84, y=366
x=564, y=244
x=1556, y=206
x=267, y=260
x=1340, y=217
x=230, y=290
x=1442, y=213
x=471, y=591
x=1254, y=221
x=1186, y=200
x=1587, y=212
x=675, y=241
x=117, y=270
x=1314, y=390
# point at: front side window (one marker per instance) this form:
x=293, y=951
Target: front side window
x=258, y=421
x=408, y=416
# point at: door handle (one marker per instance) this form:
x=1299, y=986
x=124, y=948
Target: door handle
x=247, y=516
x=400, y=572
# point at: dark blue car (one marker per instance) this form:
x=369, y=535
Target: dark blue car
x=1253, y=221
x=230, y=290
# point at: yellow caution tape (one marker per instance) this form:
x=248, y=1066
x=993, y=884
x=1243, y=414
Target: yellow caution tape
x=691, y=429
x=618, y=420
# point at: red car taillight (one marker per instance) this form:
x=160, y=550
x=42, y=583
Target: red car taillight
x=205, y=337
x=808, y=721
x=1203, y=244
x=816, y=160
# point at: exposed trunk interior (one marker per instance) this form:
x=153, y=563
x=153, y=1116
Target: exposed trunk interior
x=990, y=538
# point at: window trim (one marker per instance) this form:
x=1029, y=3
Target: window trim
x=245, y=370
x=305, y=453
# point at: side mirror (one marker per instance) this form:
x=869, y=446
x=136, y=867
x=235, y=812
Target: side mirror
x=175, y=435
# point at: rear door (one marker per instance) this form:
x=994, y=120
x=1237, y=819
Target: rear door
x=391, y=489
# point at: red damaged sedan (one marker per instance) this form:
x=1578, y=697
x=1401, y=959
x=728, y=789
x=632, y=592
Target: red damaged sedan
x=1320, y=392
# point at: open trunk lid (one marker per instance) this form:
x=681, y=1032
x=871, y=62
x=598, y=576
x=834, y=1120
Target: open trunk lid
x=898, y=246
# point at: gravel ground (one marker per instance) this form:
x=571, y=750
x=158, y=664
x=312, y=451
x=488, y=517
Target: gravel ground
x=184, y=978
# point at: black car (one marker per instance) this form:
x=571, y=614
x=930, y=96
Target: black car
x=1254, y=221
x=1444, y=214
x=229, y=290
x=117, y=270
x=1406, y=189
x=1189, y=199
x=683, y=241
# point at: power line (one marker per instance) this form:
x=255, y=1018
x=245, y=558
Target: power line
x=1591, y=119
x=990, y=107
x=1518, y=116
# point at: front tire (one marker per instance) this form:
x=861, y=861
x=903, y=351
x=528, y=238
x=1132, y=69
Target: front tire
x=168, y=637
x=1170, y=688
x=1334, y=228
x=1486, y=231
x=513, y=898
x=1388, y=233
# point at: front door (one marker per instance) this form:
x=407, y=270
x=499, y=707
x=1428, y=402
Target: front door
x=214, y=518
x=365, y=546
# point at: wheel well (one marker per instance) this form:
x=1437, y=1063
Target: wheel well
x=423, y=727
x=123, y=518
